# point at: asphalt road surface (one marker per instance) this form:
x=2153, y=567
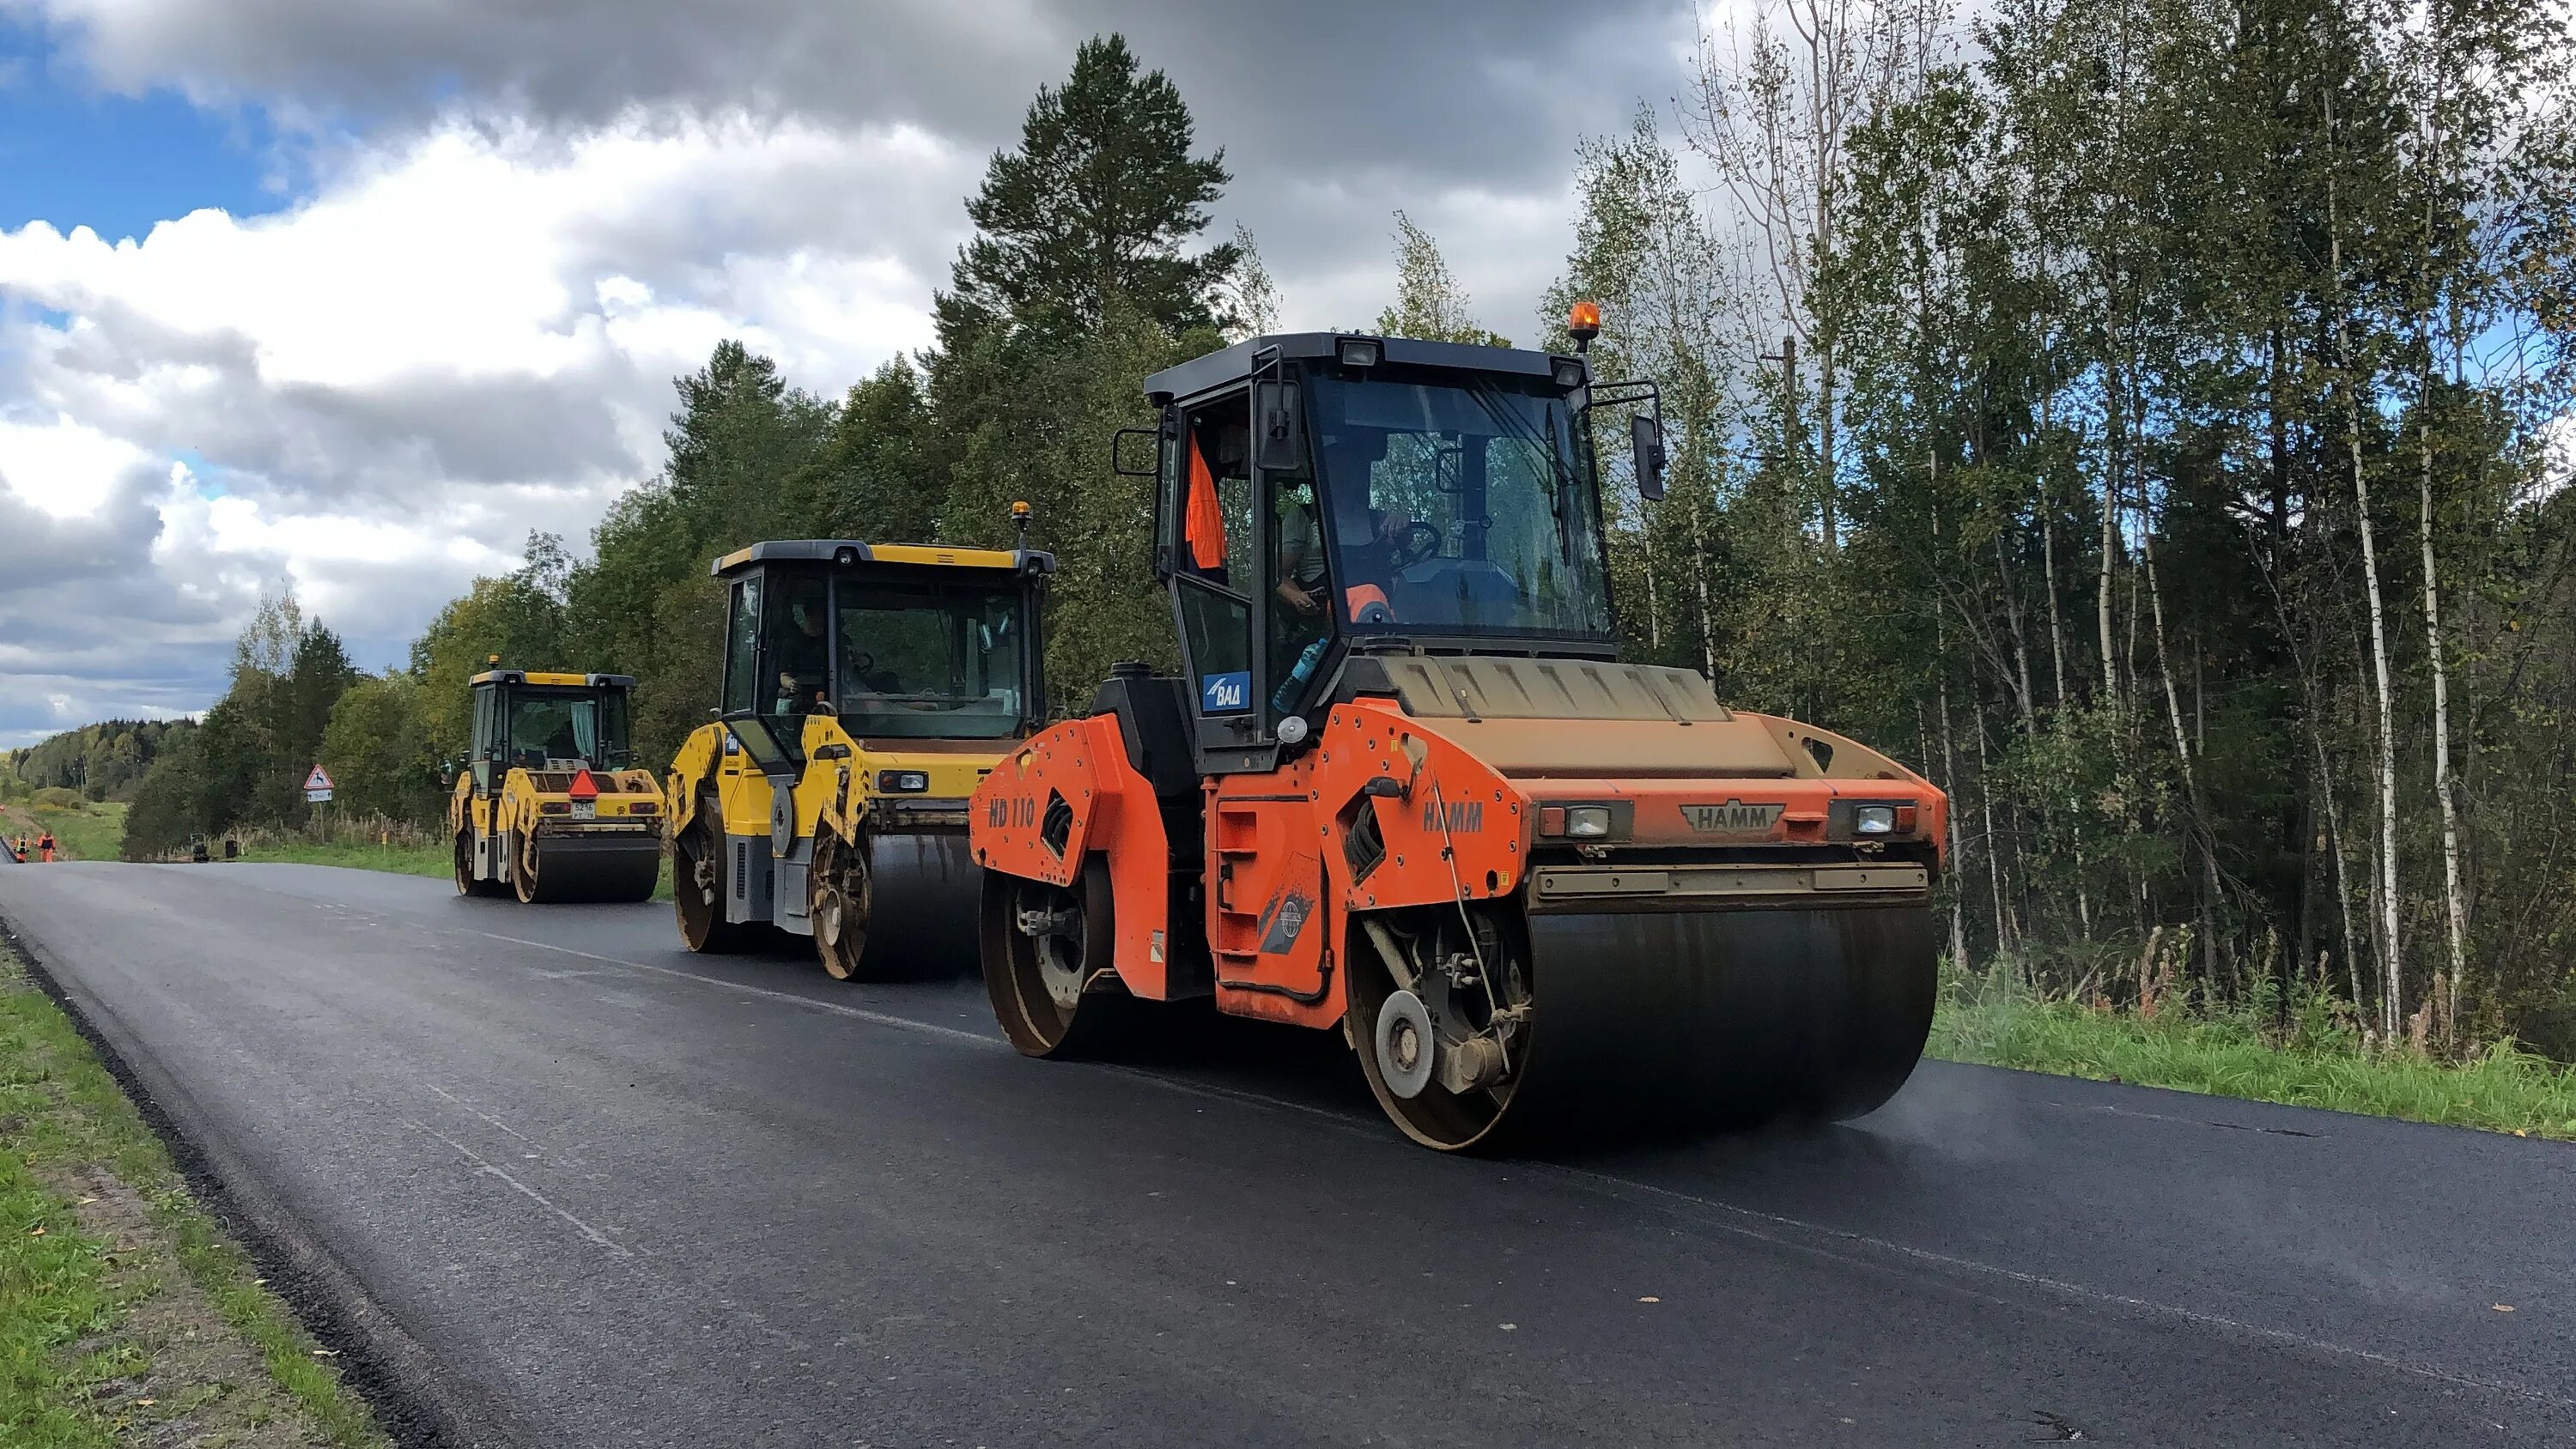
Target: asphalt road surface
x=604, y=1193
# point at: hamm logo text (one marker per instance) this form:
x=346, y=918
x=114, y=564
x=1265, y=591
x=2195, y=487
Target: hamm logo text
x=1454, y=817
x=1732, y=818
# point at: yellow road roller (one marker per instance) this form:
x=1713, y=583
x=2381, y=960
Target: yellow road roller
x=549, y=805
x=868, y=688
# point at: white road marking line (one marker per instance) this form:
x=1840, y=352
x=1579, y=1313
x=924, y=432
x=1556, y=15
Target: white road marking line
x=486, y=1116
x=1350, y=1122
x=860, y=1013
x=549, y=1204
x=1603, y=1180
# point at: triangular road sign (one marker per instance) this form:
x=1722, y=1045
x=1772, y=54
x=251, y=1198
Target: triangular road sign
x=317, y=780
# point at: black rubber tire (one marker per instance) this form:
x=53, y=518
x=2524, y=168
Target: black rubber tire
x=844, y=954
x=1435, y=1118
x=527, y=877
x=1104, y=1020
x=466, y=885
x=704, y=930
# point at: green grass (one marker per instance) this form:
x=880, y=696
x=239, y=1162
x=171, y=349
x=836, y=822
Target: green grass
x=429, y=860
x=2238, y=1054
x=125, y=1314
x=90, y=832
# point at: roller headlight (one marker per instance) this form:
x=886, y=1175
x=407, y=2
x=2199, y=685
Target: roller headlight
x=1587, y=822
x=1874, y=820
x=902, y=782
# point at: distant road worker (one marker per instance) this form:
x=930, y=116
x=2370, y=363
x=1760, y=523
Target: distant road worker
x=45, y=843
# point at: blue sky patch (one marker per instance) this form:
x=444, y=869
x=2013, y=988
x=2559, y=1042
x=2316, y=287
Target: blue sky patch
x=73, y=155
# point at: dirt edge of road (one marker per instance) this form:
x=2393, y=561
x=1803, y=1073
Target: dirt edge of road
x=419, y=1404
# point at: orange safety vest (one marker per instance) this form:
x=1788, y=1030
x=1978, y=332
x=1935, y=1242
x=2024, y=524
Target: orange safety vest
x=1203, y=525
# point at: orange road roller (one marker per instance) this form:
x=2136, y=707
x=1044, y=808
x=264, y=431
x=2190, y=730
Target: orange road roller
x=1405, y=787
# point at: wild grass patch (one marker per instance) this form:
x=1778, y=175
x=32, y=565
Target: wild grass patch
x=2300, y=1052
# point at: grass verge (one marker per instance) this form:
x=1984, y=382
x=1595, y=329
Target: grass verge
x=87, y=832
x=1995, y=1021
x=428, y=860
x=126, y=1315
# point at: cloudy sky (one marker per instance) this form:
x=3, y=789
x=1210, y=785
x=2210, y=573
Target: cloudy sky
x=356, y=294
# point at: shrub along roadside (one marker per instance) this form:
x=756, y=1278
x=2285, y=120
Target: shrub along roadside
x=125, y=1313
x=2305, y=1056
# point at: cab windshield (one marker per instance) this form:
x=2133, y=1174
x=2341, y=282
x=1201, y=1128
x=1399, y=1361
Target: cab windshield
x=919, y=662
x=571, y=727
x=1460, y=508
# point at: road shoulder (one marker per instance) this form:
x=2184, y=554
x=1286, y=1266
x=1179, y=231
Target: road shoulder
x=172, y=1295
x=133, y=1315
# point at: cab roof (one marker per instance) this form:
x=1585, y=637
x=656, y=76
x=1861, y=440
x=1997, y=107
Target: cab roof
x=1236, y=363
x=849, y=552
x=548, y=677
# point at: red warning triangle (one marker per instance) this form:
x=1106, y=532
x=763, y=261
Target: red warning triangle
x=582, y=787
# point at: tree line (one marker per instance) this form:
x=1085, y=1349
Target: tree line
x=2142, y=414
x=103, y=761
x=2139, y=414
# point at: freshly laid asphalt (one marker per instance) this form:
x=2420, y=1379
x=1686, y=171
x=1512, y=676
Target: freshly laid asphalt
x=582, y=1188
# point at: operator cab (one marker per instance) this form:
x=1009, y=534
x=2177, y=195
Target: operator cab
x=896, y=641
x=1321, y=496
x=548, y=722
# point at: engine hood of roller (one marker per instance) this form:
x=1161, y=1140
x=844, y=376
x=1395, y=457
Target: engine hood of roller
x=1594, y=719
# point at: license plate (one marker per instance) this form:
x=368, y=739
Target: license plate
x=585, y=810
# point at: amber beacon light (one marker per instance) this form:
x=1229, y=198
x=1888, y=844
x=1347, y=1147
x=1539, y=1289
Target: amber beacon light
x=1583, y=323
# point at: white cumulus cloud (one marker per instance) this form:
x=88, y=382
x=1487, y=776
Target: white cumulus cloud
x=462, y=334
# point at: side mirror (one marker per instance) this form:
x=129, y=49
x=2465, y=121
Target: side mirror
x=1122, y=459
x=1282, y=440
x=1646, y=448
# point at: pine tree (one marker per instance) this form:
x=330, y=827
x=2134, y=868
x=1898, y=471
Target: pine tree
x=1099, y=201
